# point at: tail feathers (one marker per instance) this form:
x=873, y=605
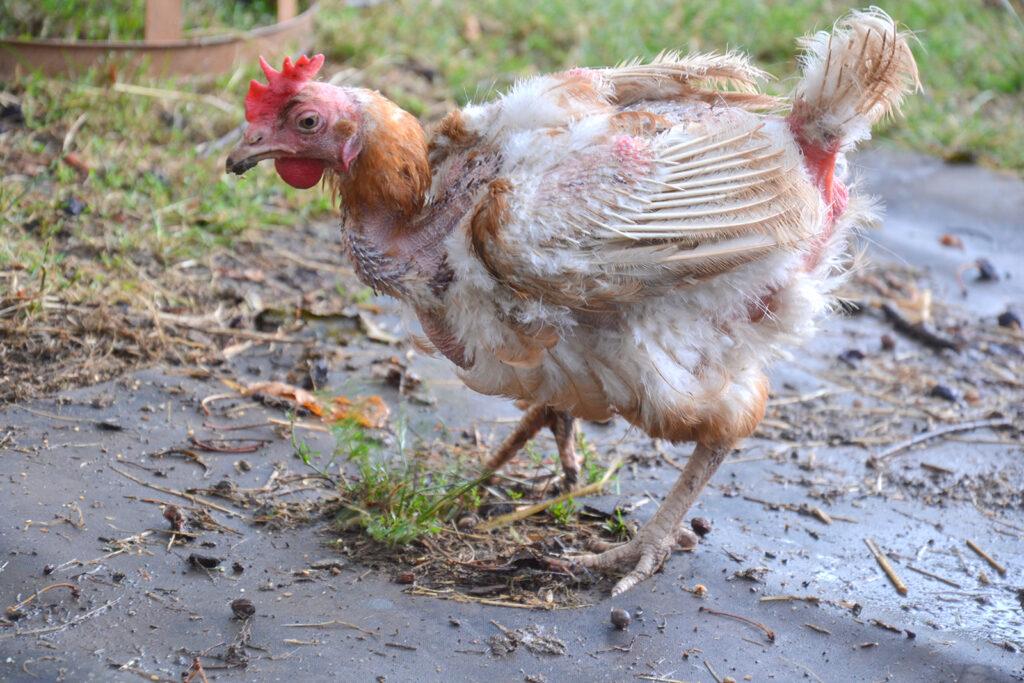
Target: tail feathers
x=852, y=78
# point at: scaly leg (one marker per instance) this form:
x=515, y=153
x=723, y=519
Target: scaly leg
x=563, y=425
x=653, y=544
x=534, y=419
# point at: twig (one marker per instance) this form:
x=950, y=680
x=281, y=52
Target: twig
x=181, y=494
x=883, y=562
x=993, y=423
x=334, y=622
x=714, y=674
x=918, y=331
x=767, y=631
x=188, y=455
x=988, y=558
x=530, y=510
x=930, y=575
x=659, y=679
x=312, y=426
x=813, y=599
x=455, y=596
x=196, y=670
x=819, y=629
x=252, y=447
x=69, y=137
x=13, y=610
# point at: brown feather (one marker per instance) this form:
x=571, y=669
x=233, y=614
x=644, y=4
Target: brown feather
x=392, y=169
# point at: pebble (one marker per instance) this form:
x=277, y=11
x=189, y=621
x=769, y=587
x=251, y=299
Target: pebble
x=243, y=608
x=701, y=526
x=620, y=618
x=943, y=392
x=1009, y=319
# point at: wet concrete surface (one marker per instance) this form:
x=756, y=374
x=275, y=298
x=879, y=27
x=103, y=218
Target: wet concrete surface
x=145, y=613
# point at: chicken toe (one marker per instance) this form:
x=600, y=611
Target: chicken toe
x=653, y=544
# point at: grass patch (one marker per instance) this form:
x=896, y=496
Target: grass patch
x=428, y=515
x=395, y=501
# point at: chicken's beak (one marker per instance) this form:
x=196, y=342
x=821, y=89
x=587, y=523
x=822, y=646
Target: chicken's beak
x=256, y=145
x=247, y=155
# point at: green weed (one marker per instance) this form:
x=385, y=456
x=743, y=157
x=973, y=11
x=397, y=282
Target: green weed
x=564, y=513
x=395, y=500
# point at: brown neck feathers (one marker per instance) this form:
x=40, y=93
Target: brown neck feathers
x=391, y=173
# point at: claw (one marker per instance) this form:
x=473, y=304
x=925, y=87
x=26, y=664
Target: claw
x=652, y=558
x=647, y=555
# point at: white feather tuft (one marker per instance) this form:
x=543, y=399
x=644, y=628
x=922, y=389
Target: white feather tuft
x=852, y=78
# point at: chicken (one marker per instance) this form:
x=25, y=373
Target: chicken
x=635, y=241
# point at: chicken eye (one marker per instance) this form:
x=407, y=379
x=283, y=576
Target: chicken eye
x=309, y=122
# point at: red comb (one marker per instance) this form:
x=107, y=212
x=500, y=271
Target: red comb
x=281, y=85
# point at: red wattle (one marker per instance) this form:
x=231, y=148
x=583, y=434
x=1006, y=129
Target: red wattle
x=300, y=173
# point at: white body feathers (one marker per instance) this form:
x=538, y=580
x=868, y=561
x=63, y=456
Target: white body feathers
x=650, y=243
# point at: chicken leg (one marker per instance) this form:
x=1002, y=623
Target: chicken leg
x=653, y=544
x=561, y=424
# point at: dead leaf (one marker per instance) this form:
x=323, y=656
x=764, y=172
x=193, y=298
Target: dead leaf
x=369, y=411
x=299, y=396
x=948, y=240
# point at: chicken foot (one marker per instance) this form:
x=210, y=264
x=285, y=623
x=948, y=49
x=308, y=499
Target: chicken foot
x=647, y=552
x=562, y=425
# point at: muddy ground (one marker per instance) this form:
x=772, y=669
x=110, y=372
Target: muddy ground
x=791, y=511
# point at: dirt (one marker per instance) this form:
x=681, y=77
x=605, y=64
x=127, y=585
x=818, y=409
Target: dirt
x=790, y=512
x=255, y=288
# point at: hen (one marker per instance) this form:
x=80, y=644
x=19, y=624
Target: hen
x=631, y=241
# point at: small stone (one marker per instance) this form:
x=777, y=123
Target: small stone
x=405, y=577
x=73, y=206
x=888, y=342
x=986, y=271
x=701, y=526
x=1009, y=319
x=943, y=392
x=467, y=522
x=851, y=357
x=204, y=561
x=243, y=608
x=620, y=618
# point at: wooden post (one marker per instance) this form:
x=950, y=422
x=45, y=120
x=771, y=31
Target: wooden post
x=286, y=9
x=163, y=21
